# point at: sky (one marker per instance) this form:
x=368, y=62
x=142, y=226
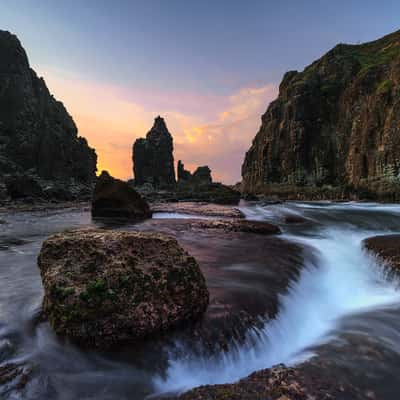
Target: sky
x=210, y=67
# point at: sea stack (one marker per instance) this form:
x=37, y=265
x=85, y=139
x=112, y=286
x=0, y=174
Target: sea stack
x=153, y=160
x=334, y=131
x=39, y=141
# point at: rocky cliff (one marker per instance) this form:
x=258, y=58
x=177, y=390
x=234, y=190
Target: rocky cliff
x=153, y=161
x=334, y=131
x=38, y=138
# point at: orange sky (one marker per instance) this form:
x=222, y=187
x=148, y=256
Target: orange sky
x=210, y=130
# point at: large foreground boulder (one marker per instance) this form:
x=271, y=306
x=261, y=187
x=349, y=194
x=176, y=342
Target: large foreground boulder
x=113, y=198
x=107, y=287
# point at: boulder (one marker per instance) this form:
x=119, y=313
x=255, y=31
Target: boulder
x=153, y=161
x=387, y=247
x=113, y=198
x=103, y=288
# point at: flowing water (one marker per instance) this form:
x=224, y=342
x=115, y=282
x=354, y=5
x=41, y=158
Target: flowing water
x=343, y=308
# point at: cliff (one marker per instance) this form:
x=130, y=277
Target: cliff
x=334, y=131
x=38, y=139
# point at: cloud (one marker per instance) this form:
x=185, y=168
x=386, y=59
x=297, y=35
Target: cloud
x=207, y=129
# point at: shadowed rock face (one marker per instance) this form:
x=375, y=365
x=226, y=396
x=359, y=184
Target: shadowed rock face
x=104, y=287
x=153, y=161
x=334, y=131
x=37, y=135
x=113, y=198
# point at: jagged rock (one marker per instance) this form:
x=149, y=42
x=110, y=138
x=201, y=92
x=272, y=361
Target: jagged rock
x=113, y=198
x=152, y=157
x=105, y=287
x=37, y=135
x=202, y=175
x=183, y=174
x=334, y=131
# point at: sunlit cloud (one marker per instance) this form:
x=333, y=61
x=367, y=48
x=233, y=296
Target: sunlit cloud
x=207, y=130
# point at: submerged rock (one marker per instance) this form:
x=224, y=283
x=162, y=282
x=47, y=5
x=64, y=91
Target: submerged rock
x=113, y=198
x=387, y=247
x=103, y=288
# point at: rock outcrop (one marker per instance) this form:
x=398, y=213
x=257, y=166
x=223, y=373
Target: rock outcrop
x=38, y=138
x=113, y=198
x=202, y=175
x=334, y=131
x=386, y=247
x=281, y=383
x=183, y=174
x=104, y=288
x=153, y=161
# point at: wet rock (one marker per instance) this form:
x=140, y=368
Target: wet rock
x=14, y=375
x=245, y=273
x=152, y=157
x=38, y=138
x=241, y=225
x=387, y=247
x=294, y=219
x=198, y=208
x=278, y=383
x=351, y=95
x=103, y=288
x=113, y=198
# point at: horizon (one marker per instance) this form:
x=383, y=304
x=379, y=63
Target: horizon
x=210, y=71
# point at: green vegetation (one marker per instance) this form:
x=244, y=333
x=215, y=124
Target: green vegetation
x=384, y=87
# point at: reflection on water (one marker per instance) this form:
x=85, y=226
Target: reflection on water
x=342, y=308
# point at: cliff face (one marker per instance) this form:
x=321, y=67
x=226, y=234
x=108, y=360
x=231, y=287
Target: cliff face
x=37, y=135
x=334, y=131
x=153, y=161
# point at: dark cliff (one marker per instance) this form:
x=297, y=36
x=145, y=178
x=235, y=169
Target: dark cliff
x=153, y=160
x=37, y=135
x=334, y=131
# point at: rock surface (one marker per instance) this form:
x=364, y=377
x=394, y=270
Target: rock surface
x=241, y=225
x=103, y=288
x=38, y=138
x=153, y=161
x=334, y=131
x=279, y=383
x=198, y=208
x=245, y=274
x=113, y=198
x=387, y=247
